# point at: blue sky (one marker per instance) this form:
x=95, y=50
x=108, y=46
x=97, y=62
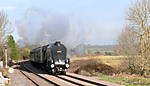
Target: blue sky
x=103, y=18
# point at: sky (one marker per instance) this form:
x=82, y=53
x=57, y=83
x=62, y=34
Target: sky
x=103, y=19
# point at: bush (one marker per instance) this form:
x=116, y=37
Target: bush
x=90, y=66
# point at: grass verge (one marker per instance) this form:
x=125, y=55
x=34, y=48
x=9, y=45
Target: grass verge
x=127, y=80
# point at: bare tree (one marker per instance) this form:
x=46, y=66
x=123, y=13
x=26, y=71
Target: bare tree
x=4, y=30
x=137, y=37
x=4, y=27
x=128, y=47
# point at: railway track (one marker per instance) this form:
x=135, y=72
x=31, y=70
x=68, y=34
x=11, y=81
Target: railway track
x=69, y=79
x=36, y=80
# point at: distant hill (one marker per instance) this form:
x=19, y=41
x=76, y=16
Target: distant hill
x=100, y=47
x=83, y=49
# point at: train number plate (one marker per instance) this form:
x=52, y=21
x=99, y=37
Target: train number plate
x=59, y=51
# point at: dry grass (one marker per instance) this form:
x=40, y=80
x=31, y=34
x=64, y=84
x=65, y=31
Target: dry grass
x=4, y=72
x=109, y=60
x=90, y=66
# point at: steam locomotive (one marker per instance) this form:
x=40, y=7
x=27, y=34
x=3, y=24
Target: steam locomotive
x=51, y=57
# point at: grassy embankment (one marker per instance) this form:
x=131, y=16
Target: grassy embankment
x=115, y=61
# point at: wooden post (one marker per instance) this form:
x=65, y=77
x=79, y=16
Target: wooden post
x=6, y=59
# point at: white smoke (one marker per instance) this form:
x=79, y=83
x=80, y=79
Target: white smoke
x=38, y=27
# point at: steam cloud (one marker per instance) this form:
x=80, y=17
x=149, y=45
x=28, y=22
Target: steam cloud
x=38, y=27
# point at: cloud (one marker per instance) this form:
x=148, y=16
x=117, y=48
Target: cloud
x=4, y=8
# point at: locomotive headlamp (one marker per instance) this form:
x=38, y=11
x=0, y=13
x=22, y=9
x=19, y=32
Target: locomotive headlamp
x=52, y=65
x=67, y=60
x=67, y=65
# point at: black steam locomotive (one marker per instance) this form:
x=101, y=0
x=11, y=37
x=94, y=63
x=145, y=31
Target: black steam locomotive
x=51, y=57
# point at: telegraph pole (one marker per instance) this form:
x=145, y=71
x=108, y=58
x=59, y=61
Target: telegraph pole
x=6, y=59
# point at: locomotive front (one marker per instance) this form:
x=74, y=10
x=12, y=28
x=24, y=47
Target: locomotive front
x=57, y=61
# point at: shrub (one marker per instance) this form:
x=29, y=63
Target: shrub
x=90, y=66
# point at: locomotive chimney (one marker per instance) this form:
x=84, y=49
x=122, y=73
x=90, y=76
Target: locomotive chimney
x=57, y=43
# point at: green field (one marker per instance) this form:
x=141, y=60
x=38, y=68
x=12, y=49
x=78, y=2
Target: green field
x=102, y=52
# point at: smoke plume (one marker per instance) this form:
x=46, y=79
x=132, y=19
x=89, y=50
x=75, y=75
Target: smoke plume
x=38, y=27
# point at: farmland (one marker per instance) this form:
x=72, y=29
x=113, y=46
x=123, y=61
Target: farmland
x=112, y=61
